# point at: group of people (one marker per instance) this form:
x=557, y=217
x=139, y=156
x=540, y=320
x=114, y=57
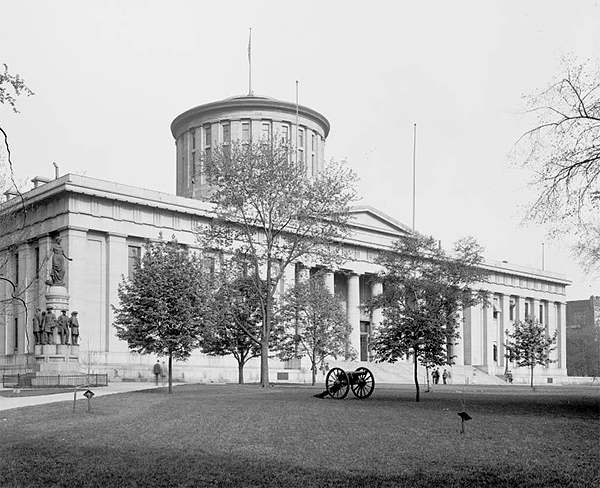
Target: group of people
x=44, y=324
x=435, y=376
x=162, y=371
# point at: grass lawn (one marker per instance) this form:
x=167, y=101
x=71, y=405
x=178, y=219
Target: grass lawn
x=244, y=436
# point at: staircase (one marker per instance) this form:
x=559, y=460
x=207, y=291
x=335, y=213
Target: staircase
x=402, y=373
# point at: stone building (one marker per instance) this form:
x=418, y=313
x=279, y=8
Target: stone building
x=103, y=226
x=583, y=337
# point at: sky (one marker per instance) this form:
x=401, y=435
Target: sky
x=110, y=76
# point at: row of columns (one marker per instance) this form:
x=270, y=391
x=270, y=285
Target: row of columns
x=483, y=337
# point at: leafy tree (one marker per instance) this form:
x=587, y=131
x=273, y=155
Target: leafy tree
x=235, y=322
x=315, y=323
x=163, y=303
x=529, y=345
x=562, y=151
x=424, y=289
x=267, y=211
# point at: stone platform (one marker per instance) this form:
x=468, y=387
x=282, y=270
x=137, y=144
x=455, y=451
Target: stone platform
x=53, y=358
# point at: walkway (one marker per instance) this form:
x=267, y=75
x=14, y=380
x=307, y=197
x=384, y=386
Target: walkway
x=112, y=388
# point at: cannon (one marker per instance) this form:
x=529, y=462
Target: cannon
x=360, y=381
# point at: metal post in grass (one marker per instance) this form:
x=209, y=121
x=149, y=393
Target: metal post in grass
x=89, y=394
x=464, y=416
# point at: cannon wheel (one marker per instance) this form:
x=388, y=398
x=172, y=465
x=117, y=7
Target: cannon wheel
x=365, y=384
x=337, y=383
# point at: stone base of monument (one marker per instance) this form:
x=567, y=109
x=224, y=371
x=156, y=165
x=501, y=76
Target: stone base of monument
x=57, y=298
x=57, y=358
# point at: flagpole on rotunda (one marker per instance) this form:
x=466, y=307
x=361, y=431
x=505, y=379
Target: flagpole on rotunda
x=250, y=63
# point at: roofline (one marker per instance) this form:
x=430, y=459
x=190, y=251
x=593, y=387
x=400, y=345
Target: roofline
x=249, y=102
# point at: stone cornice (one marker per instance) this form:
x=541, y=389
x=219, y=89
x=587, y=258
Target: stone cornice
x=247, y=103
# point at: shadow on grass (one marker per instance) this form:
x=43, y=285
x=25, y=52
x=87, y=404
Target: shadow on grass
x=146, y=467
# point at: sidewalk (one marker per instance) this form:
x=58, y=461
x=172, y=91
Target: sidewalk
x=112, y=388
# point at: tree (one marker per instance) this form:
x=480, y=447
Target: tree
x=563, y=152
x=268, y=212
x=424, y=289
x=235, y=322
x=163, y=303
x=529, y=345
x=315, y=323
x=12, y=222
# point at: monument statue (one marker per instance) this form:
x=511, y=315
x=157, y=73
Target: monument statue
x=57, y=274
x=63, y=327
x=38, y=320
x=74, y=324
x=49, y=324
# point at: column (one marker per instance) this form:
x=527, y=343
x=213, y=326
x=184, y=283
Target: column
x=504, y=325
x=116, y=264
x=562, y=335
x=353, y=310
x=376, y=289
x=329, y=279
x=552, y=326
x=520, y=312
x=26, y=291
x=535, y=313
x=488, y=335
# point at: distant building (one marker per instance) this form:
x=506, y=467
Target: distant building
x=583, y=337
x=103, y=226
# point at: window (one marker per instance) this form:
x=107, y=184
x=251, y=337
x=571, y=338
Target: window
x=301, y=155
x=246, y=133
x=207, y=136
x=133, y=260
x=208, y=265
x=226, y=133
x=526, y=310
x=266, y=131
x=300, y=138
x=314, y=143
x=193, y=135
x=16, y=333
x=541, y=313
x=285, y=134
x=313, y=165
x=37, y=262
x=511, y=309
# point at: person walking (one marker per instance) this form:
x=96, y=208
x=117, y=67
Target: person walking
x=445, y=376
x=157, y=370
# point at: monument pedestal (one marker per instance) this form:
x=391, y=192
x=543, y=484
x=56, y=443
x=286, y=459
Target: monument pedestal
x=57, y=357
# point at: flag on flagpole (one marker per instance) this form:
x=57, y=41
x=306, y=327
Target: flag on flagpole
x=249, y=44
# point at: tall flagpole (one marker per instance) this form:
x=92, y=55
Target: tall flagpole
x=250, y=63
x=297, y=126
x=414, y=174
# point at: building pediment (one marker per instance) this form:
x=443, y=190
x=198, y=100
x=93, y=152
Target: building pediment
x=369, y=218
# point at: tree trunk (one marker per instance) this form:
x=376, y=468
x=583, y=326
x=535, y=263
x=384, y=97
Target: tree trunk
x=170, y=373
x=241, y=372
x=314, y=372
x=418, y=397
x=264, y=340
x=532, y=366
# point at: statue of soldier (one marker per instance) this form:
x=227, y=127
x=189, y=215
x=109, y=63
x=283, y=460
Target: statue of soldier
x=38, y=326
x=63, y=327
x=49, y=324
x=74, y=324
